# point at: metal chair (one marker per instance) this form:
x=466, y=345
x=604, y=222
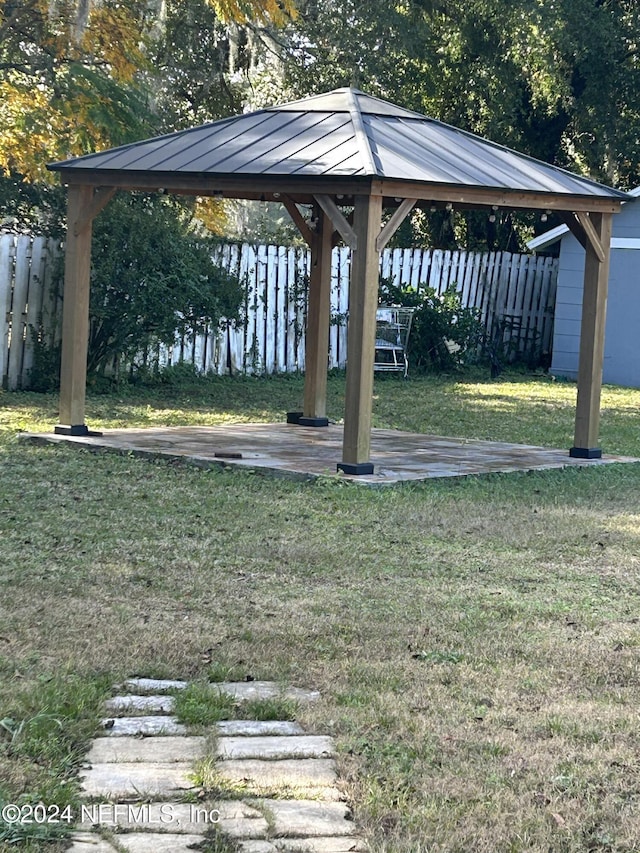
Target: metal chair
x=393, y=326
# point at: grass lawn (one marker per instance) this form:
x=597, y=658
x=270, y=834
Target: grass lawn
x=476, y=641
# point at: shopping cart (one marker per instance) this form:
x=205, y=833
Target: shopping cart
x=392, y=335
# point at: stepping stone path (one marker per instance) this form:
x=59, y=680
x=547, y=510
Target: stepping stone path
x=140, y=796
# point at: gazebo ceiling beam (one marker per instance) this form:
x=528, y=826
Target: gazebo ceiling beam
x=482, y=197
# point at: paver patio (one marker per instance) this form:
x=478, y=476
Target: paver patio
x=308, y=453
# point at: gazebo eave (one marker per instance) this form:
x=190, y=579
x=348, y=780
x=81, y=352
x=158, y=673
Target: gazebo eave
x=304, y=188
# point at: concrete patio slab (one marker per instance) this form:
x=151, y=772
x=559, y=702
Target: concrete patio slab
x=308, y=453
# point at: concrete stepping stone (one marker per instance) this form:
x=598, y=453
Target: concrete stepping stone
x=305, y=818
x=140, y=704
x=256, y=847
x=88, y=842
x=153, y=842
x=137, y=780
x=150, y=749
x=310, y=778
x=319, y=845
x=257, y=728
x=271, y=748
x=141, y=726
x=247, y=690
x=152, y=685
x=303, y=845
x=234, y=817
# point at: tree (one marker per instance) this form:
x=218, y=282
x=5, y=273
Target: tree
x=559, y=81
x=83, y=75
x=67, y=83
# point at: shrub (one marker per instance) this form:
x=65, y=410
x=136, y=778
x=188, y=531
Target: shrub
x=152, y=278
x=444, y=333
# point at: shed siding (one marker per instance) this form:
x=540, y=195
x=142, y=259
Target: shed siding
x=622, y=331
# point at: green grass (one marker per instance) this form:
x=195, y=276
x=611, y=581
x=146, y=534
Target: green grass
x=475, y=641
x=200, y=704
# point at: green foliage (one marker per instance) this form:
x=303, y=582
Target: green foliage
x=201, y=704
x=443, y=333
x=276, y=708
x=152, y=277
x=557, y=81
x=46, y=729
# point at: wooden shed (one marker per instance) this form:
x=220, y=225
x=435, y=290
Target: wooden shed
x=621, y=364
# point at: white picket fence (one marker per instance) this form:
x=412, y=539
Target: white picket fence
x=28, y=304
x=514, y=296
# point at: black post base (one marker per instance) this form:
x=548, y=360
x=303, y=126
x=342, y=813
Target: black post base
x=313, y=422
x=77, y=429
x=585, y=453
x=294, y=417
x=356, y=468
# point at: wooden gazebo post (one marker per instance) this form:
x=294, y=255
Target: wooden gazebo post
x=75, y=312
x=83, y=205
x=318, y=319
x=596, y=229
x=363, y=302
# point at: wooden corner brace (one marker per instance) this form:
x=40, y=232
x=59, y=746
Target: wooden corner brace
x=339, y=222
x=299, y=220
x=583, y=229
x=404, y=209
x=101, y=198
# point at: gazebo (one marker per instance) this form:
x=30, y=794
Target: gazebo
x=349, y=157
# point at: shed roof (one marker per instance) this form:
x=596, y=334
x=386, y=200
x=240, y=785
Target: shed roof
x=548, y=238
x=340, y=135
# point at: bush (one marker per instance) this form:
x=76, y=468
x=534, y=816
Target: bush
x=444, y=334
x=152, y=278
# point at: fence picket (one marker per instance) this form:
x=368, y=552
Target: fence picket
x=6, y=279
x=33, y=313
x=18, y=312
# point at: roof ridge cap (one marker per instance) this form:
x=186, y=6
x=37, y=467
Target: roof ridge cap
x=361, y=135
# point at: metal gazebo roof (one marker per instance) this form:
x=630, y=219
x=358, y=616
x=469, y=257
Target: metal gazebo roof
x=344, y=136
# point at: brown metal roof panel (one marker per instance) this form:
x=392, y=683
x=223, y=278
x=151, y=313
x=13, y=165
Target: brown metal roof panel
x=126, y=155
x=461, y=163
x=413, y=157
x=323, y=153
x=496, y=165
x=338, y=101
x=213, y=152
x=468, y=160
x=517, y=171
x=329, y=102
x=344, y=160
x=175, y=152
x=291, y=139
